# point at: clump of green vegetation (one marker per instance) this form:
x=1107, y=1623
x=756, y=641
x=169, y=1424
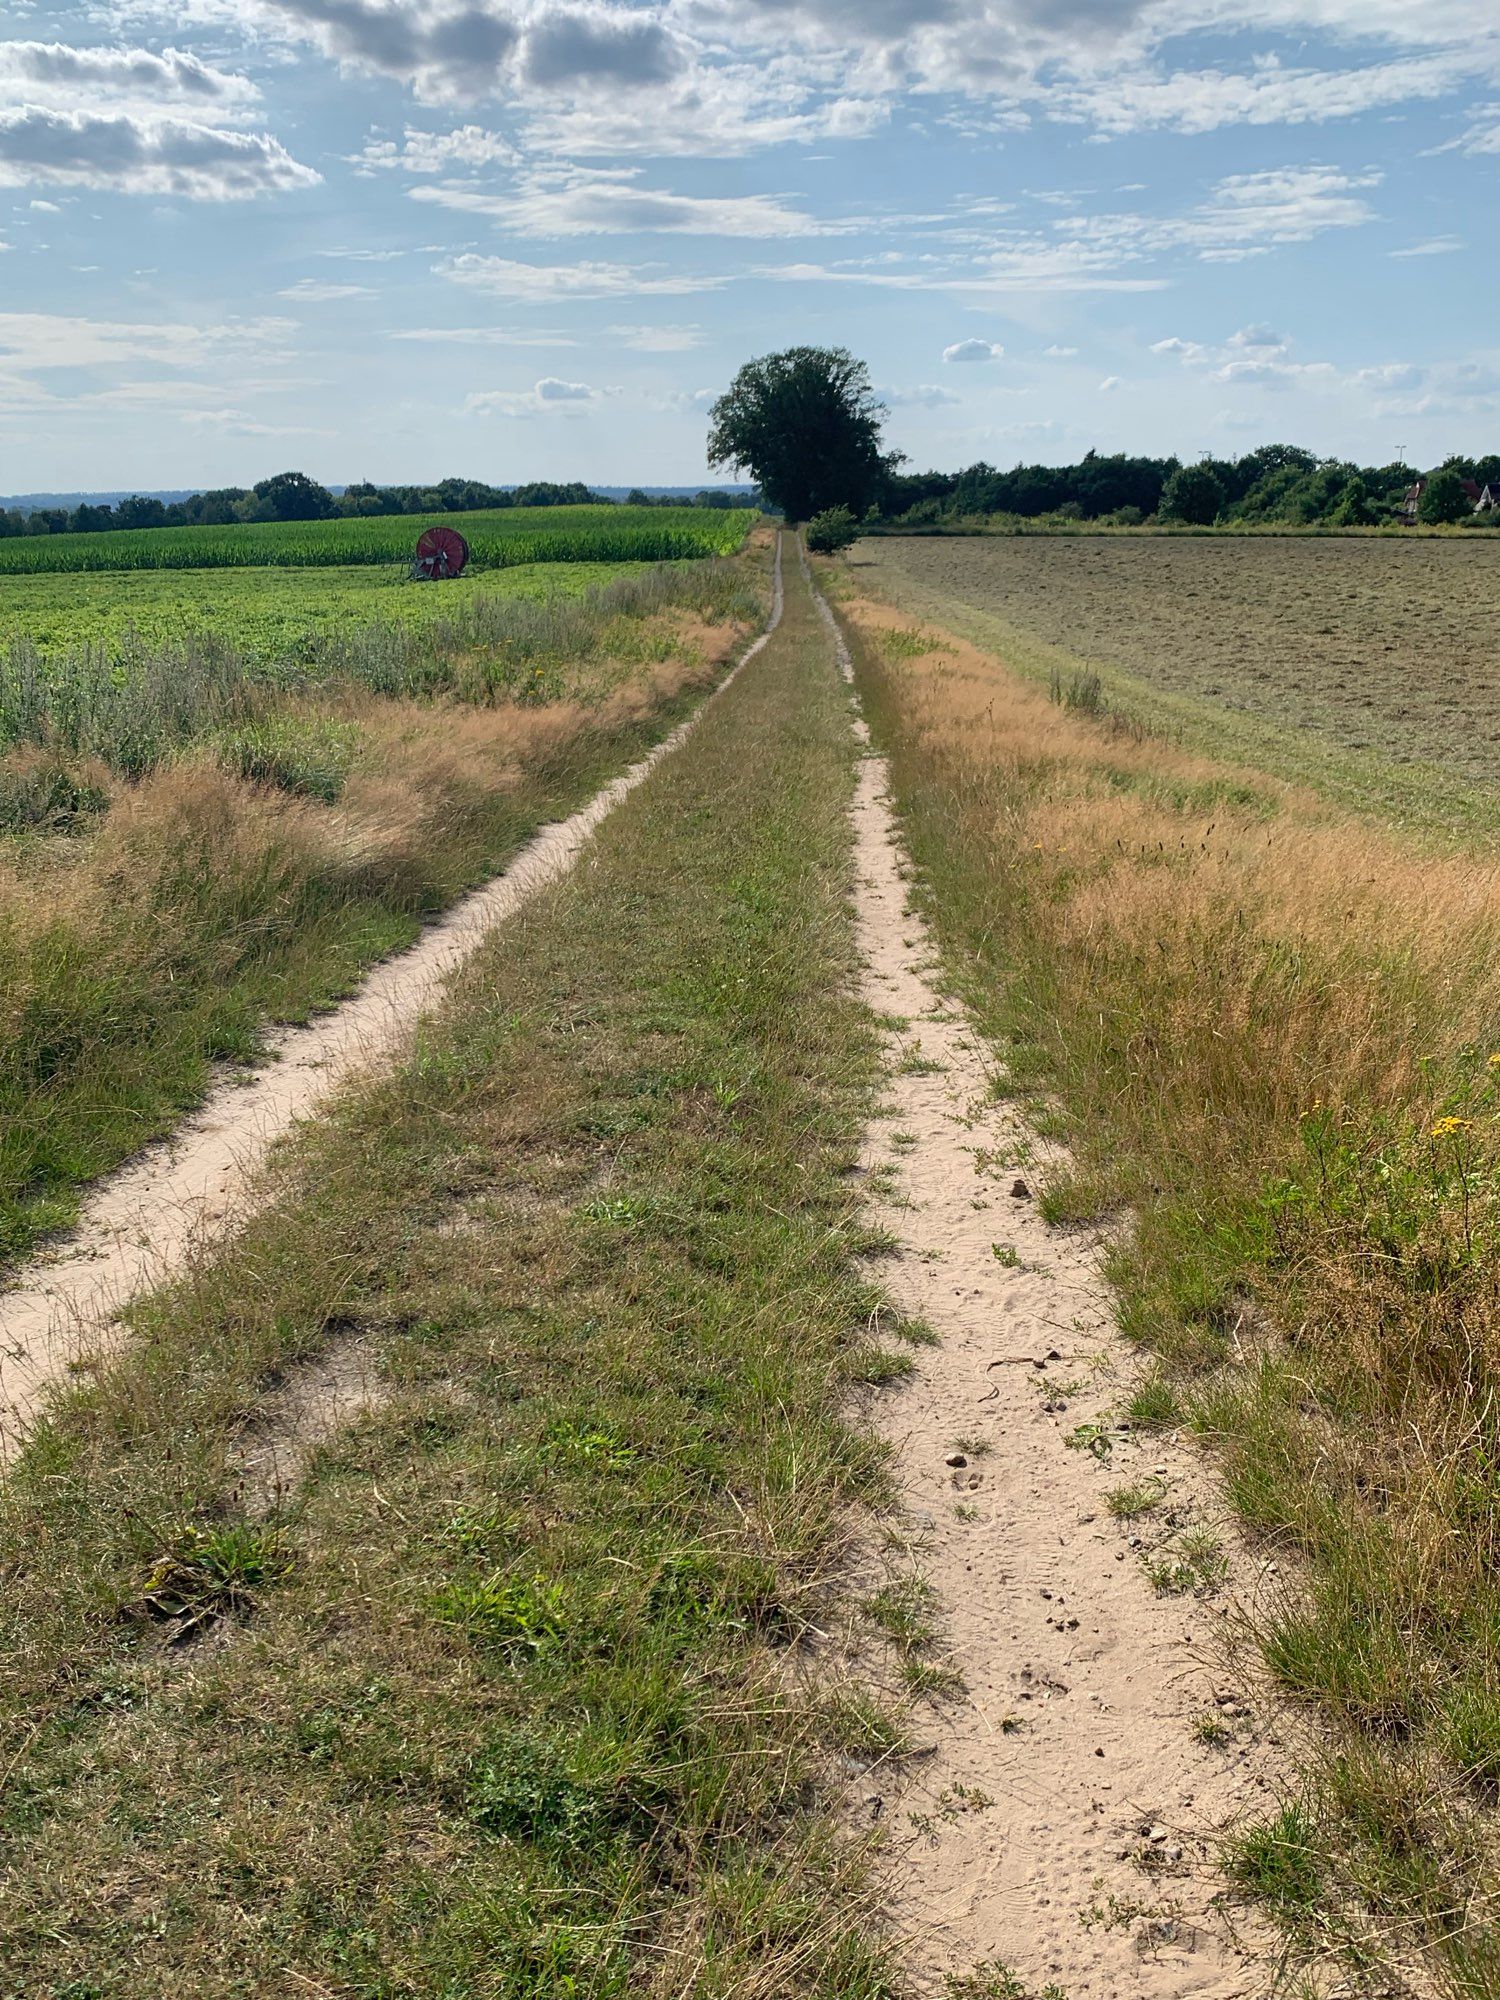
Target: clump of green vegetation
x=1193, y=1561
x=994, y=1981
x=832, y=530
x=1279, y=1861
x=307, y=756
x=1129, y=1503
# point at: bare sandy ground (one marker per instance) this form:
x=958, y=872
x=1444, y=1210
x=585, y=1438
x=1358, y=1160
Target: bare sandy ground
x=1064, y=1820
x=144, y=1223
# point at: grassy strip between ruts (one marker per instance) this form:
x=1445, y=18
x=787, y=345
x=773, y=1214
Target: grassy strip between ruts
x=255, y=875
x=1273, y=1033
x=520, y=1697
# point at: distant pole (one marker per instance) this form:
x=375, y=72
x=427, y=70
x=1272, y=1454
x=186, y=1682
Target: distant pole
x=1401, y=455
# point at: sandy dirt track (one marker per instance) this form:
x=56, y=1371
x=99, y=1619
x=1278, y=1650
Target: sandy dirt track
x=1064, y=1820
x=144, y=1223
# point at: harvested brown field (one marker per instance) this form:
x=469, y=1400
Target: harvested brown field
x=1380, y=645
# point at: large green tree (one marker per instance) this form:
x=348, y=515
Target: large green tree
x=807, y=425
x=290, y=496
x=1444, y=499
x=1194, y=494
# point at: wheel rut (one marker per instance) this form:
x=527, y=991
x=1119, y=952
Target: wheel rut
x=144, y=1224
x=1067, y=1816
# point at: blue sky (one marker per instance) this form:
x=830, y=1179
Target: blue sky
x=393, y=239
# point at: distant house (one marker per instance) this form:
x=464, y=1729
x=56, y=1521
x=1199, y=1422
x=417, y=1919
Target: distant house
x=1483, y=499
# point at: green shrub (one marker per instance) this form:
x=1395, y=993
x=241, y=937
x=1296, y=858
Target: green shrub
x=834, y=529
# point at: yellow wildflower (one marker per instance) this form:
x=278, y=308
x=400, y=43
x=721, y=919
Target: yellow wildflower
x=1448, y=1128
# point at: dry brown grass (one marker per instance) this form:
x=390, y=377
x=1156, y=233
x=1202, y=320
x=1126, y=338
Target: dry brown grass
x=1267, y=1030
x=190, y=906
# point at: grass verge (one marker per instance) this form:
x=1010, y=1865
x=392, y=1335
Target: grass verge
x=521, y=1697
x=255, y=875
x=1272, y=1032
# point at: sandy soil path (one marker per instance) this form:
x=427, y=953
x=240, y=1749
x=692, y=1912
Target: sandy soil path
x=144, y=1223
x=1064, y=1820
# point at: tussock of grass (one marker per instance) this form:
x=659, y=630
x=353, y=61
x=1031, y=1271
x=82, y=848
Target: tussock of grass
x=1275, y=1037
x=531, y=1708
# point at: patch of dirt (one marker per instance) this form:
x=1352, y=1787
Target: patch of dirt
x=1064, y=1818
x=145, y=1223
x=313, y=1401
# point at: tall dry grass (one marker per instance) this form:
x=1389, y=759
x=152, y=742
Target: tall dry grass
x=1272, y=1036
x=150, y=927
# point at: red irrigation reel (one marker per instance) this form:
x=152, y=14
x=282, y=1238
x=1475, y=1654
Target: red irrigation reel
x=441, y=552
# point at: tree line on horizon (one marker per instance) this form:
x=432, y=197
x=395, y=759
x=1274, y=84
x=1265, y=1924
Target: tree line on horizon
x=809, y=425
x=1274, y=485
x=293, y=496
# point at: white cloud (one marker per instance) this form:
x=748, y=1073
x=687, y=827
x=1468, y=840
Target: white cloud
x=504, y=277
x=126, y=154
x=49, y=340
x=483, y=336
x=1055, y=353
x=443, y=54
x=598, y=206
x=921, y=396
x=1110, y=382
x=312, y=291
x=974, y=350
x=1205, y=100
x=1245, y=215
x=57, y=76
x=1258, y=357
x=1433, y=246
x=574, y=44
x=589, y=78
x=470, y=146
x=550, y=396
x=658, y=339
x=240, y=423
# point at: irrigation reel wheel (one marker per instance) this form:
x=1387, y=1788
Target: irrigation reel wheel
x=441, y=552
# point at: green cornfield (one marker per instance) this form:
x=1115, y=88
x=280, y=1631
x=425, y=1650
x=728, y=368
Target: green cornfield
x=498, y=540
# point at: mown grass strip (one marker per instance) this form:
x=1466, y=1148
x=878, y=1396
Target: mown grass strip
x=520, y=1697
x=1275, y=1040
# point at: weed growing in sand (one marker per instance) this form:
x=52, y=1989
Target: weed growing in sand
x=994, y=1981
x=1194, y=1561
x=1211, y=1729
x=1153, y=1404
